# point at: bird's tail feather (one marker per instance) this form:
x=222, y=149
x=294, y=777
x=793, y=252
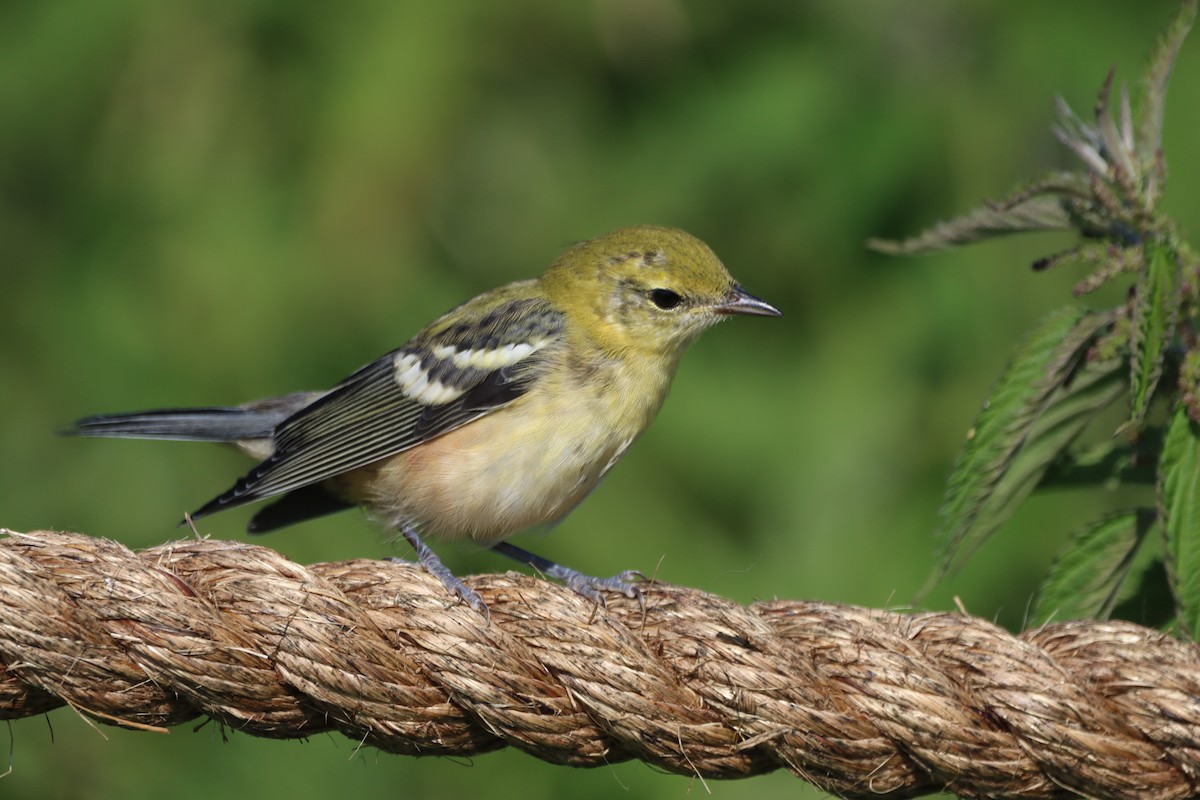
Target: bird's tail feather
x=255, y=420
x=214, y=424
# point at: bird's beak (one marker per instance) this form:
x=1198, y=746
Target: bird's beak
x=739, y=301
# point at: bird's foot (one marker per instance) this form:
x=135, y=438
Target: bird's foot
x=593, y=588
x=585, y=585
x=434, y=566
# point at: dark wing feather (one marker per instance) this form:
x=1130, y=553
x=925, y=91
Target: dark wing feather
x=368, y=417
x=302, y=504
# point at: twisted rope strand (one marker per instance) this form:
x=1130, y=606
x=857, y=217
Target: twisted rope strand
x=860, y=702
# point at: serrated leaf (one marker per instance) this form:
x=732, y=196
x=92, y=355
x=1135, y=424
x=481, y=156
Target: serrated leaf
x=1155, y=309
x=1041, y=213
x=1148, y=600
x=1179, y=510
x=1086, y=579
x=1109, y=464
x=1067, y=412
x=1154, y=86
x=1022, y=425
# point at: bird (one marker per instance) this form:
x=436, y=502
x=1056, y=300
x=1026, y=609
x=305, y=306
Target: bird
x=500, y=416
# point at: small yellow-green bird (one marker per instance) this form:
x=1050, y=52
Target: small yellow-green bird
x=499, y=416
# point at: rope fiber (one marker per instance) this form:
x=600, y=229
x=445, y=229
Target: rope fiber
x=860, y=702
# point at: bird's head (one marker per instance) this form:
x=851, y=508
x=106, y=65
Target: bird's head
x=647, y=288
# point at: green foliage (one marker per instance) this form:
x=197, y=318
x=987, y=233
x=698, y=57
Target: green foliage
x=1076, y=364
x=1155, y=310
x=1086, y=581
x=1041, y=403
x=1179, y=514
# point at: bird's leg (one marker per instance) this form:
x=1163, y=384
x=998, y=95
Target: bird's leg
x=582, y=584
x=434, y=566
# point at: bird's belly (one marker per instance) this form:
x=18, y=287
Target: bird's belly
x=513, y=469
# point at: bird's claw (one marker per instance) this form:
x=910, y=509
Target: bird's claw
x=592, y=588
x=434, y=566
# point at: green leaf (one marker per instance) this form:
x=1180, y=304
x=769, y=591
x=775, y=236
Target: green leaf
x=1039, y=213
x=1067, y=412
x=1153, y=97
x=1109, y=464
x=1179, y=510
x=1149, y=601
x=1035, y=410
x=1155, y=309
x=1086, y=580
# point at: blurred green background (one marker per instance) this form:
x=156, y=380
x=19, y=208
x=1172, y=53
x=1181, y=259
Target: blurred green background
x=206, y=203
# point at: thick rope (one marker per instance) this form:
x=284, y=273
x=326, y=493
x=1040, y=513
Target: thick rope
x=859, y=702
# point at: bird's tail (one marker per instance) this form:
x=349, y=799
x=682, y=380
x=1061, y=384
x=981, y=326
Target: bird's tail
x=256, y=420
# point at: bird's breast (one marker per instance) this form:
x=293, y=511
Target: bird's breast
x=520, y=466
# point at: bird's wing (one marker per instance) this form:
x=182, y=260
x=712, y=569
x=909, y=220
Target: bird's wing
x=450, y=374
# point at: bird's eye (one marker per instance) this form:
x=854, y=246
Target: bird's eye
x=665, y=298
